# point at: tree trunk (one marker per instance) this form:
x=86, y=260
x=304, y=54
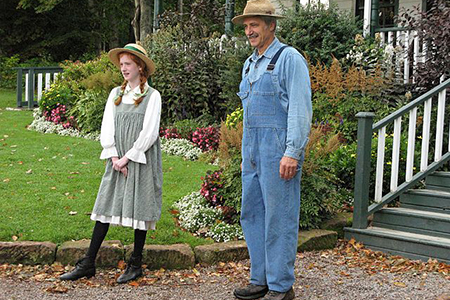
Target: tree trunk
x=136, y=22
x=145, y=19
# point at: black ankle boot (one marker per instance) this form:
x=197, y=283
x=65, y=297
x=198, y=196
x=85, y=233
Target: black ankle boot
x=133, y=270
x=85, y=267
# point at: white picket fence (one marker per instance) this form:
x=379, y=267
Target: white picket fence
x=401, y=41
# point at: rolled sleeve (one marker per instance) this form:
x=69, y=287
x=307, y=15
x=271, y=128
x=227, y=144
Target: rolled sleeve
x=299, y=109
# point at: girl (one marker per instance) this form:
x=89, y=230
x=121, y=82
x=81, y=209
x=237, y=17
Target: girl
x=131, y=189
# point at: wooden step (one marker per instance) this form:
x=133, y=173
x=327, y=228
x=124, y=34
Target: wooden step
x=427, y=200
x=438, y=181
x=414, y=221
x=411, y=245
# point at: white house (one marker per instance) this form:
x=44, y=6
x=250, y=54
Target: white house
x=387, y=11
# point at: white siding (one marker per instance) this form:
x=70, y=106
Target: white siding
x=350, y=4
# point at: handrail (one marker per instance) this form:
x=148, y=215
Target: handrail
x=411, y=105
x=392, y=29
x=366, y=129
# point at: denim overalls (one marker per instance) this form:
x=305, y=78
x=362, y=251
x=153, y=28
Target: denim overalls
x=270, y=204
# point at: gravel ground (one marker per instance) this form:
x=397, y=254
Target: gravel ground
x=339, y=274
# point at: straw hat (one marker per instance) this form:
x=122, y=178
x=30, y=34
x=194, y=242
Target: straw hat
x=255, y=8
x=135, y=49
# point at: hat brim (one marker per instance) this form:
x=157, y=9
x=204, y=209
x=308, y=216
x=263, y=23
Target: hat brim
x=114, y=58
x=238, y=20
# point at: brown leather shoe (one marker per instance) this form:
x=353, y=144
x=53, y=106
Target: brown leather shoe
x=251, y=291
x=273, y=295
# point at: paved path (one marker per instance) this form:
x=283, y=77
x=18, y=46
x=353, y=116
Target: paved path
x=331, y=275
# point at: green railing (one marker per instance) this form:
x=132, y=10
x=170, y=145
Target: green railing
x=366, y=130
x=36, y=80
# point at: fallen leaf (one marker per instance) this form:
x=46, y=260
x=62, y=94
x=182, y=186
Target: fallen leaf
x=84, y=163
x=57, y=289
x=399, y=284
x=134, y=283
x=29, y=171
x=72, y=213
x=14, y=238
x=53, y=187
x=13, y=146
x=6, y=180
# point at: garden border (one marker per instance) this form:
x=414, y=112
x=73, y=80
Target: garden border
x=178, y=256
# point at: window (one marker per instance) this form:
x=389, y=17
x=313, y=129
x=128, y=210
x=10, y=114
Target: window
x=388, y=12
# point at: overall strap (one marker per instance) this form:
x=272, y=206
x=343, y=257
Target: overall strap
x=248, y=68
x=272, y=63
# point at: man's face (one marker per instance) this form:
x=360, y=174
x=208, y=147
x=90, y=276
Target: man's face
x=258, y=32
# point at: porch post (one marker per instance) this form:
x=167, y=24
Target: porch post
x=157, y=9
x=367, y=13
x=229, y=14
x=374, y=21
x=362, y=173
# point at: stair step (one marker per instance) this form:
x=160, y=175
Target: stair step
x=410, y=245
x=438, y=179
x=414, y=221
x=426, y=199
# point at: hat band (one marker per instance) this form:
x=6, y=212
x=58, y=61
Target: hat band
x=134, y=49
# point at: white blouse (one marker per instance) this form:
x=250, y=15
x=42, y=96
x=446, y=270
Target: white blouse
x=148, y=134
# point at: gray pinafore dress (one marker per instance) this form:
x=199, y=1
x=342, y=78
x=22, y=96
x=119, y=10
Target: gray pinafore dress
x=135, y=200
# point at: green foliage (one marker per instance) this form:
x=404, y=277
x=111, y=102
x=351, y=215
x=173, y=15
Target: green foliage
x=197, y=79
x=57, y=94
x=185, y=75
x=341, y=116
x=84, y=89
x=234, y=118
x=319, y=198
x=320, y=32
x=88, y=111
x=232, y=184
x=104, y=81
x=237, y=51
x=8, y=77
x=433, y=28
x=186, y=127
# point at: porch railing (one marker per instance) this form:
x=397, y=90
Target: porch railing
x=402, y=40
x=37, y=79
x=418, y=111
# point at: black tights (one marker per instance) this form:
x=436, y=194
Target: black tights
x=99, y=233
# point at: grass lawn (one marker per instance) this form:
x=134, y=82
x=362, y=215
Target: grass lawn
x=48, y=185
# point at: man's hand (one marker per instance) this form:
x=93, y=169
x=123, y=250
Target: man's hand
x=120, y=163
x=288, y=167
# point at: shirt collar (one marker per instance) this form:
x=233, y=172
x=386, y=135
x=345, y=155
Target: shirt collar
x=270, y=51
x=137, y=89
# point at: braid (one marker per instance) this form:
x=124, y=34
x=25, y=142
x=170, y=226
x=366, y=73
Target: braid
x=122, y=89
x=142, y=86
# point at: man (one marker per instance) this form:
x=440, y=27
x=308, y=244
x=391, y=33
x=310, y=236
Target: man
x=276, y=96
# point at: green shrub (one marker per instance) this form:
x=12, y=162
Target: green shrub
x=88, y=111
x=8, y=76
x=57, y=94
x=321, y=33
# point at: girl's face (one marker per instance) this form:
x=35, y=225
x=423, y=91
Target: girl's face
x=130, y=70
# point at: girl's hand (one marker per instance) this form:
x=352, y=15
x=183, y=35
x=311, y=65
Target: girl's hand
x=114, y=160
x=124, y=171
x=118, y=165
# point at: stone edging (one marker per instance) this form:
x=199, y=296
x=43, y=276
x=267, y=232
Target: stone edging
x=178, y=256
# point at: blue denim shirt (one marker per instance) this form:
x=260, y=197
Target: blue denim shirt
x=295, y=94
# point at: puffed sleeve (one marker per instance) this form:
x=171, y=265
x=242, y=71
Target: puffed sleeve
x=150, y=130
x=107, y=131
